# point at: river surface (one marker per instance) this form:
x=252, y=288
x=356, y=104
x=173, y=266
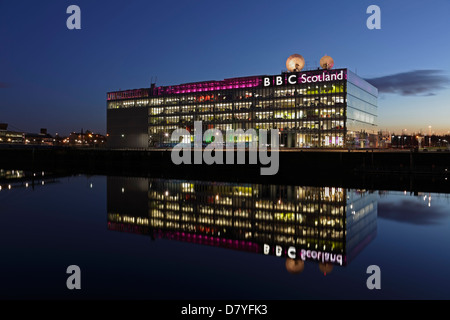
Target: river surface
x=141, y=238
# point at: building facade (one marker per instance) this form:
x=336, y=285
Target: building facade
x=9, y=137
x=315, y=108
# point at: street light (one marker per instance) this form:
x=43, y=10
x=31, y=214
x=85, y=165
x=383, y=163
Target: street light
x=429, y=139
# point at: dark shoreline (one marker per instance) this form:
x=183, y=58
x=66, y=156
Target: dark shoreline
x=364, y=169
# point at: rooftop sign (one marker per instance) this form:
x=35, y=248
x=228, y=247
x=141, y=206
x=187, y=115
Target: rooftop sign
x=235, y=83
x=304, y=77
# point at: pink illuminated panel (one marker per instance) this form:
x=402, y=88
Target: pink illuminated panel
x=235, y=83
x=209, y=240
x=128, y=94
x=187, y=237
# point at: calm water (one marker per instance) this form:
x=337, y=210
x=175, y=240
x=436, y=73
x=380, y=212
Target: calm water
x=137, y=238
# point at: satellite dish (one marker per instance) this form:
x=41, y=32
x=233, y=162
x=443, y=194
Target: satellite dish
x=295, y=63
x=325, y=268
x=326, y=62
x=294, y=266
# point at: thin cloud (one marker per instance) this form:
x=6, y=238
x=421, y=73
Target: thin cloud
x=412, y=83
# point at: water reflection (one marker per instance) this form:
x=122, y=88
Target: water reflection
x=17, y=179
x=324, y=225
x=415, y=210
x=54, y=225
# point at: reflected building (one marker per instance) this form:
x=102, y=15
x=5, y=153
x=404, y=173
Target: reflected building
x=326, y=225
x=16, y=179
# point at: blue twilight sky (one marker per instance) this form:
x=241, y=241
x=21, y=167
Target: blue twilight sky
x=55, y=78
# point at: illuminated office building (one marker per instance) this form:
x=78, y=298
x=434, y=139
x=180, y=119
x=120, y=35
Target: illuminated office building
x=322, y=224
x=315, y=108
x=7, y=136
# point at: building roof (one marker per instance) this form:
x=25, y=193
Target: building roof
x=205, y=86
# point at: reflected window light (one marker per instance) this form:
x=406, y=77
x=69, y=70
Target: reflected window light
x=43, y=182
x=26, y=185
x=123, y=190
x=9, y=187
x=90, y=185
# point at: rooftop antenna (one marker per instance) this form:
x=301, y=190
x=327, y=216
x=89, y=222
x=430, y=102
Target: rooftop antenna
x=153, y=83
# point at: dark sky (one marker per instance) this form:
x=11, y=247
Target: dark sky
x=55, y=78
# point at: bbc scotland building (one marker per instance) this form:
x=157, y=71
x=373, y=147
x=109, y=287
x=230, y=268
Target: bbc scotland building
x=322, y=108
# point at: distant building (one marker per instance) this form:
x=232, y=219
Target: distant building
x=384, y=139
x=7, y=136
x=42, y=138
x=86, y=139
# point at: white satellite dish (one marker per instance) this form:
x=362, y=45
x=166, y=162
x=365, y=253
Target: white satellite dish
x=326, y=62
x=295, y=63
